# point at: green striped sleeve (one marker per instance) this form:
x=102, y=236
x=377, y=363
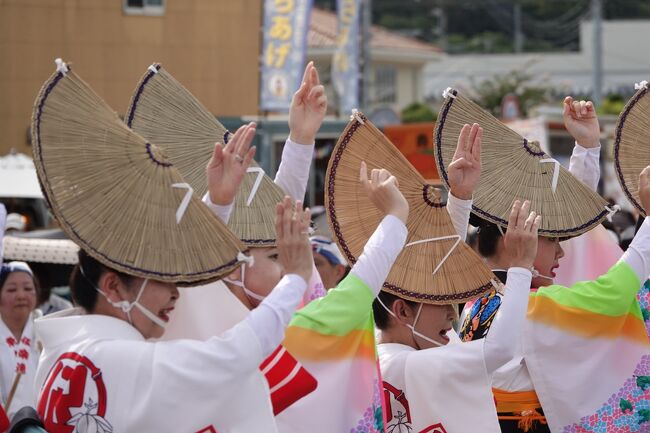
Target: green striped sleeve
x=612, y=294
x=343, y=309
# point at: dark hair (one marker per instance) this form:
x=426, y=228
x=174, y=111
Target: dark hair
x=488, y=237
x=83, y=285
x=381, y=315
x=5, y=275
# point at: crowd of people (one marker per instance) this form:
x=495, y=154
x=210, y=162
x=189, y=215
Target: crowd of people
x=316, y=339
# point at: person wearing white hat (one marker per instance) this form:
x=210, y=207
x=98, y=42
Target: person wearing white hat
x=16, y=223
x=331, y=265
x=18, y=347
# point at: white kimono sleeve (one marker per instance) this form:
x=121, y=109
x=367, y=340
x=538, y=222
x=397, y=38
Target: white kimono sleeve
x=216, y=382
x=449, y=387
x=501, y=343
x=293, y=172
x=221, y=211
x=459, y=211
x=585, y=165
x=221, y=375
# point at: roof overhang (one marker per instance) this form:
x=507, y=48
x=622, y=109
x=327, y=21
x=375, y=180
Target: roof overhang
x=391, y=55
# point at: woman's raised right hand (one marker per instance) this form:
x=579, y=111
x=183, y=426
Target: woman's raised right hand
x=383, y=191
x=294, y=248
x=521, y=238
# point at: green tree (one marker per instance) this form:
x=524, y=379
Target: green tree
x=418, y=112
x=549, y=25
x=490, y=92
x=612, y=104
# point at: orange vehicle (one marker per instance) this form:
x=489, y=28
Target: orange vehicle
x=415, y=141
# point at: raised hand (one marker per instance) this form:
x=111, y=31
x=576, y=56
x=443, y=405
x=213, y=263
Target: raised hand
x=581, y=121
x=308, y=108
x=464, y=170
x=383, y=191
x=644, y=189
x=521, y=238
x=294, y=248
x=227, y=167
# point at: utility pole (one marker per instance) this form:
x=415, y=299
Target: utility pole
x=441, y=30
x=519, y=35
x=597, y=55
x=366, y=21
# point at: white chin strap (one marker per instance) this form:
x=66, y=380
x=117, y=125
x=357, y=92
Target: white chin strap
x=250, y=261
x=533, y=271
x=412, y=327
x=536, y=274
x=127, y=306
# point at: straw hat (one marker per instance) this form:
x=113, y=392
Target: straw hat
x=164, y=112
x=515, y=168
x=429, y=270
x=632, y=144
x=117, y=196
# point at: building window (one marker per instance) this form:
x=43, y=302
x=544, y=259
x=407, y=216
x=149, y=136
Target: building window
x=385, y=84
x=144, y=7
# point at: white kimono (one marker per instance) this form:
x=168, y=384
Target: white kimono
x=18, y=355
x=438, y=390
x=98, y=374
x=448, y=389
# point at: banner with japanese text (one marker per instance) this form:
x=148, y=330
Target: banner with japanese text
x=286, y=23
x=345, y=64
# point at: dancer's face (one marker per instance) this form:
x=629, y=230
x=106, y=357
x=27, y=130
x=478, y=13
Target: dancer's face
x=549, y=253
x=260, y=278
x=434, y=322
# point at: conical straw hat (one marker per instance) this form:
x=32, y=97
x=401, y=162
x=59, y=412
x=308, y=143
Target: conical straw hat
x=515, y=168
x=632, y=144
x=117, y=196
x=353, y=219
x=164, y=112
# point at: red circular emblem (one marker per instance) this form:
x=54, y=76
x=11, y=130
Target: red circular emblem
x=74, y=397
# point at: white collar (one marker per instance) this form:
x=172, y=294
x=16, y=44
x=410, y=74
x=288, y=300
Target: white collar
x=27, y=330
x=75, y=324
x=390, y=348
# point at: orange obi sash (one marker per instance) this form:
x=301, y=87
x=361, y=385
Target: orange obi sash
x=518, y=405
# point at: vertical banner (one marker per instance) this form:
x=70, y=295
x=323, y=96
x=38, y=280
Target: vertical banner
x=345, y=64
x=286, y=23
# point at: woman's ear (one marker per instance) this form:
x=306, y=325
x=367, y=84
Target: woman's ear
x=340, y=271
x=235, y=275
x=403, y=311
x=111, y=285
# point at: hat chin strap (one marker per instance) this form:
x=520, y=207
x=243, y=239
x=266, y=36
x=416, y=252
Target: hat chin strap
x=414, y=333
x=536, y=274
x=249, y=293
x=127, y=306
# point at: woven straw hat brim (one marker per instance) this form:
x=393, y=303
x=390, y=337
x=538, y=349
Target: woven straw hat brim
x=514, y=168
x=632, y=145
x=114, y=194
x=353, y=219
x=164, y=112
